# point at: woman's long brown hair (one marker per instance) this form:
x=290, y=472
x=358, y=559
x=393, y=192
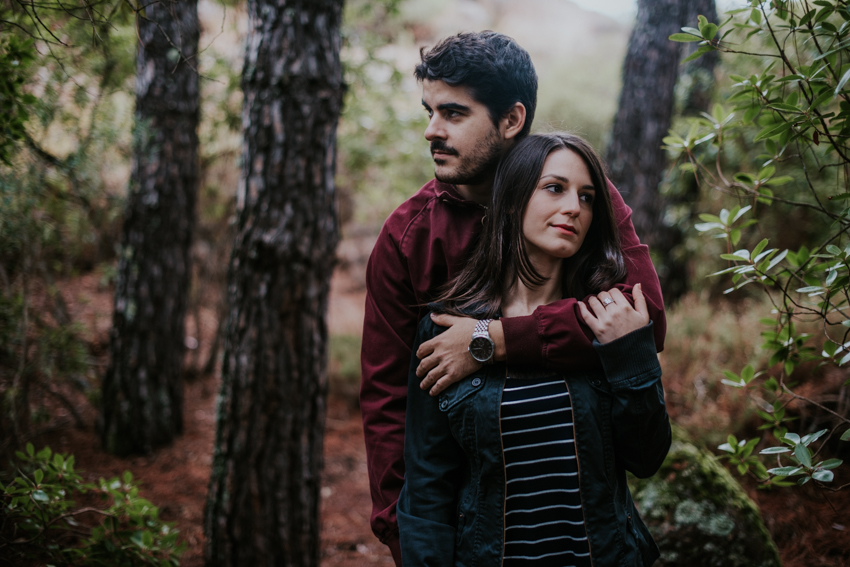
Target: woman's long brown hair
x=500, y=257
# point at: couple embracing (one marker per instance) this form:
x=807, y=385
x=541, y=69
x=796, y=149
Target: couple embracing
x=509, y=365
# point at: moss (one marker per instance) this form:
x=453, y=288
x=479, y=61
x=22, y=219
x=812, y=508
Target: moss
x=699, y=515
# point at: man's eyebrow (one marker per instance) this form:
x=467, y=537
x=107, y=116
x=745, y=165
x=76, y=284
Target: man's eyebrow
x=453, y=106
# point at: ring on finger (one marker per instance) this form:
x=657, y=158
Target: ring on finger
x=607, y=301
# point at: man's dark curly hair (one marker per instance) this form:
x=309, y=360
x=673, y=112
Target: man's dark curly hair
x=498, y=72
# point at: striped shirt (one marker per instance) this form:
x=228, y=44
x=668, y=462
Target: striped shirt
x=544, y=524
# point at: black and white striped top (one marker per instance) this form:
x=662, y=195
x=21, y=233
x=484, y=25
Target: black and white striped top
x=544, y=524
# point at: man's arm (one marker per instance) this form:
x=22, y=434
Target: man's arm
x=389, y=328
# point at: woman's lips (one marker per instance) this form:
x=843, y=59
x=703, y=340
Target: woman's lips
x=565, y=228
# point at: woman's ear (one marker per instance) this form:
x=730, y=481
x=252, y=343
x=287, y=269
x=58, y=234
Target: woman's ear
x=513, y=121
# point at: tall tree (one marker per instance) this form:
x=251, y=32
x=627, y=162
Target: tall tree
x=264, y=490
x=636, y=160
x=142, y=397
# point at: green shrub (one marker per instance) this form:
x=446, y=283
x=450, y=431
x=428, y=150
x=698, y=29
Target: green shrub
x=41, y=522
x=786, y=216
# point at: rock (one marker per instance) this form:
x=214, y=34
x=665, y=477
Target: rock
x=699, y=515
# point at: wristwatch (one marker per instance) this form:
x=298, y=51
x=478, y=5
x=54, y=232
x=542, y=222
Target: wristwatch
x=481, y=346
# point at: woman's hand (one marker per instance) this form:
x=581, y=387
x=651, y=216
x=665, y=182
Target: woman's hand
x=613, y=316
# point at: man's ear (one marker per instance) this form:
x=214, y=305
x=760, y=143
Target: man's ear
x=513, y=121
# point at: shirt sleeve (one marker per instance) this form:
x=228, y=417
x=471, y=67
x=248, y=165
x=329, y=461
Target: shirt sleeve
x=389, y=328
x=555, y=336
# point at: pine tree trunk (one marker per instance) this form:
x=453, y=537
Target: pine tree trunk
x=142, y=395
x=697, y=85
x=636, y=160
x=264, y=491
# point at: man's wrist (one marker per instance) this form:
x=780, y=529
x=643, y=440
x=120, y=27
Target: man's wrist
x=497, y=335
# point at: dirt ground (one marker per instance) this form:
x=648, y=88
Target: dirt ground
x=810, y=526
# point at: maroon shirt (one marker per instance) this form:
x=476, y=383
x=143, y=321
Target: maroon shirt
x=423, y=244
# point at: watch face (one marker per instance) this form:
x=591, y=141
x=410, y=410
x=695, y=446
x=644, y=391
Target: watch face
x=481, y=349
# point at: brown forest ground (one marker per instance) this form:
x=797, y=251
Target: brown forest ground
x=810, y=526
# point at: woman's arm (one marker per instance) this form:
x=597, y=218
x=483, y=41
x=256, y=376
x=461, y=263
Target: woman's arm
x=433, y=471
x=625, y=344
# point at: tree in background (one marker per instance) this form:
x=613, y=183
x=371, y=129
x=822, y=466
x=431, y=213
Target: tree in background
x=635, y=157
x=142, y=396
x=264, y=489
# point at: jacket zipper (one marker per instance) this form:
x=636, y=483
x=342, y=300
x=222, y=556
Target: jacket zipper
x=578, y=468
x=504, y=471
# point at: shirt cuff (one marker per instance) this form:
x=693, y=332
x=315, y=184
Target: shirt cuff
x=523, y=344
x=630, y=360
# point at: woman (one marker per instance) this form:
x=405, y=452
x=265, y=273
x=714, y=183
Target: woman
x=526, y=466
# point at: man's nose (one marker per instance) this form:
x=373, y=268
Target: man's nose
x=435, y=130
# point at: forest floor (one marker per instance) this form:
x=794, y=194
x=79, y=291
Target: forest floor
x=811, y=527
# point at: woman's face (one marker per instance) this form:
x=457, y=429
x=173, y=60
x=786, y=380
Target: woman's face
x=560, y=210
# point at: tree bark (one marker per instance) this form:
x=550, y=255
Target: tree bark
x=696, y=86
x=264, y=490
x=142, y=395
x=636, y=160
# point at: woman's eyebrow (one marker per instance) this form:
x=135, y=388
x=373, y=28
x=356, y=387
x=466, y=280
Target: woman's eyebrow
x=565, y=180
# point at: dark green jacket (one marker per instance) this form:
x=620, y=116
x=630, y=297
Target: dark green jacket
x=451, y=509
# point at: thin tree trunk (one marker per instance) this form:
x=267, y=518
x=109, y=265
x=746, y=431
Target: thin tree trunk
x=697, y=84
x=142, y=396
x=636, y=160
x=264, y=490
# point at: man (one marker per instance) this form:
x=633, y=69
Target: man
x=480, y=92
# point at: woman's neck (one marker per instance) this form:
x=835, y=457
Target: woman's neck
x=521, y=300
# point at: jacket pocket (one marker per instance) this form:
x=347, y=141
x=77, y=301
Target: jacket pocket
x=459, y=391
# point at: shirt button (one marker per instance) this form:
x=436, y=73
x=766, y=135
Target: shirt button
x=444, y=403
x=476, y=382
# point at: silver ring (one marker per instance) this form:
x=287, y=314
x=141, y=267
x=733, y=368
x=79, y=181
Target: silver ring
x=607, y=301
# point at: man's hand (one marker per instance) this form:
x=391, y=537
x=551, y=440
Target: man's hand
x=445, y=359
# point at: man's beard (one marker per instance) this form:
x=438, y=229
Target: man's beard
x=478, y=166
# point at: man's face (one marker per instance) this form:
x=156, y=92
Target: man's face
x=465, y=144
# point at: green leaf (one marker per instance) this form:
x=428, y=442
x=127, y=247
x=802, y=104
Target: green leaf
x=774, y=450
x=792, y=437
x=846, y=435
x=842, y=82
x=772, y=131
x=826, y=95
x=831, y=464
x=812, y=437
x=38, y=475
x=779, y=180
x=698, y=53
x=803, y=455
x=785, y=471
x=823, y=476
x=684, y=37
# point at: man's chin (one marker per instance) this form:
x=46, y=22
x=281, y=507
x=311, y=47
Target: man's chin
x=452, y=177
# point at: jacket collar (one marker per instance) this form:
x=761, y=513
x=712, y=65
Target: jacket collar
x=449, y=192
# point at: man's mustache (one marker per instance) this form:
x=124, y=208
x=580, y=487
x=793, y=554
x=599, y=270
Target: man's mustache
x=440, y=146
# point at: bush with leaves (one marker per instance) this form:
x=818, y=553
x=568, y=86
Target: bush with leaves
x=41, y=522
x=795, y=111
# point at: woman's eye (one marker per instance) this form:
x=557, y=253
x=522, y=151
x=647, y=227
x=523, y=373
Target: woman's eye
x=554, y=188
x=587, y=197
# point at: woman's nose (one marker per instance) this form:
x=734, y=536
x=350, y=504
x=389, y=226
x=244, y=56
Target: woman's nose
x=570, y=203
